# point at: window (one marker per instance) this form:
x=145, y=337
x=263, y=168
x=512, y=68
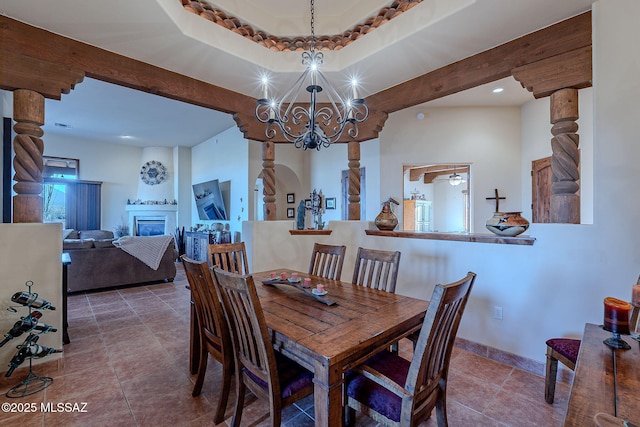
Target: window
x=53, y=199
x=75, y=204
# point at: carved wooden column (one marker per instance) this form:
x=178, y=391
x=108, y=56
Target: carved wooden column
x=560, y=77
x=28, y=112
x=269, y=180
x=565, y=160
x=354, y=180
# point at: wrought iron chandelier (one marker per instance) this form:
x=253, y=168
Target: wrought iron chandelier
x=312, y=126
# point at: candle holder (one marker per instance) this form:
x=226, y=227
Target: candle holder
x=616, y=321
x=616, y=341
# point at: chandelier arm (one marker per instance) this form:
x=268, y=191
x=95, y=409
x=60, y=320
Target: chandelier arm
x=290, y=97
x=334, y=116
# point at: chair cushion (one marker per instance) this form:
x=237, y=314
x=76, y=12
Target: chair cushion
x=374, y=396
x=293, y=377
x=565, y=346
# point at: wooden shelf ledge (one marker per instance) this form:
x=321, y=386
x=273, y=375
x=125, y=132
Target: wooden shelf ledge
x=310, y=232
x=456, y=237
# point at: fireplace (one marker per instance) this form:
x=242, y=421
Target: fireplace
x=151, y=220
x=150, y=225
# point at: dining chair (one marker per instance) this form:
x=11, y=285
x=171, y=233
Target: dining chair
x=270, y=376
x=213, y=333
x=229, y=257
x=327, y=261
x=376, y=269
x=564, y=350
x=397, y=392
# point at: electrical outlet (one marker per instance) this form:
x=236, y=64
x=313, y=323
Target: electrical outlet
x=497, y=312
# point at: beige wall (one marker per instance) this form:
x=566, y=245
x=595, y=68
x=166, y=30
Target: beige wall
x=223, y=157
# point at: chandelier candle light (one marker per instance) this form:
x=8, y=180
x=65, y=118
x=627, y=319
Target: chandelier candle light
x=312, y=126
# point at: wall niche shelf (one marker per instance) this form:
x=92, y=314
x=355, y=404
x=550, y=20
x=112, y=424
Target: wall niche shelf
x=478, y=238
x=310, y=232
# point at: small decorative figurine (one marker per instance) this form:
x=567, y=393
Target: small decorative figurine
x=301, y=215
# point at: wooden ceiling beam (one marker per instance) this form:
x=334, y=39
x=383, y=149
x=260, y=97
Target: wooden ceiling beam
x=435, y=170
x=488, y=66
x=570, y=70
x=28, y=43
x=31, y=42
x=49, y=79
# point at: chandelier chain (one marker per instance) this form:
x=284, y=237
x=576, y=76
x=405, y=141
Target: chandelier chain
x=313, y=30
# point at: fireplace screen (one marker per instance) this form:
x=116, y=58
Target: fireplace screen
x=150, y=226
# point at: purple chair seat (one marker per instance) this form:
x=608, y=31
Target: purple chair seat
x=293, y=377
x=565, y=346
x=375, y=396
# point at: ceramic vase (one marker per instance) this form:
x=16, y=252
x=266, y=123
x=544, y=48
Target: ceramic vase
x=386, y=220
x=508, y=224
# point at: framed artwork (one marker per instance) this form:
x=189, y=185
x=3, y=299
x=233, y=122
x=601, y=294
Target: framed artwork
x=330, y=203
x=307, y=203
x=291, y=198
x=290, y=212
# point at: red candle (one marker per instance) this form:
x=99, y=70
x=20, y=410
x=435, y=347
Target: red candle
x=616, y=315
x=635, y=295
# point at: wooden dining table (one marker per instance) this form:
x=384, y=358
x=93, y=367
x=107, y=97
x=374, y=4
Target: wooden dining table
x=330, y=339
x=606, y=380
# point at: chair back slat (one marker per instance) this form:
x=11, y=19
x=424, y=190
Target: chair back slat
x=209, y=331
x=376, y=269
x=327, y=261
x=206, y=301
x=251, y=340
x=230, y=257
x=430, y=363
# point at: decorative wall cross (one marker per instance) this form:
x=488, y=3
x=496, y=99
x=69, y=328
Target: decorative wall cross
x=497, y=198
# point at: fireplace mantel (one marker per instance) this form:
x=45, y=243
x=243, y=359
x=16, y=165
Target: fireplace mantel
x=168, y=212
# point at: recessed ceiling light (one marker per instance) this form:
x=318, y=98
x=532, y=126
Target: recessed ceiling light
x=62, y=125
x=126, y=137
x=498, y=90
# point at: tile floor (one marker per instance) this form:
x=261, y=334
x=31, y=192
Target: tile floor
x=128, y=361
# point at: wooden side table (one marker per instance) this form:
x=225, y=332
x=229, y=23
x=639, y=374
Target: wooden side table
x=606, y=380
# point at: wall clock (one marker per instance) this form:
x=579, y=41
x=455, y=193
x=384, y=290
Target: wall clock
x=153, y=173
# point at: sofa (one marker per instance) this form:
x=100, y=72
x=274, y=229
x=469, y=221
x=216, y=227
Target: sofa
x=96, y=263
